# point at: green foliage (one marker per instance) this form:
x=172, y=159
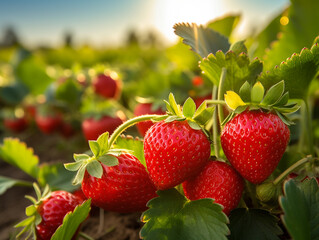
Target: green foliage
x=13, y=94
x=172, y=216
x=18, y=154
x=72, y=222
x=239, y=69
x=297, y=72
x=298, y=33
x=251, y=224
x=301, y=209
x=6, y=183
x=201, y=39
x=133, y=144
x=69, y=92
x=224, y=25
x=31, y=71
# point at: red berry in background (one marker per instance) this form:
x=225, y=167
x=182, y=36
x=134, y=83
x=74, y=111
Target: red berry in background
x=197, y=81
x=254, y=142
x=174, y=152
x=52, y=211
x=48, y=124
x=66, y=129
x=123, y=188
x=219, y=181
x=93, y=128
x=142, y=109
x=16, y=125
x=106, y=86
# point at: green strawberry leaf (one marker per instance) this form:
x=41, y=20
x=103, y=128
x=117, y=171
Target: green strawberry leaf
x=109, y=160
x=72, y=221
x=257, y=92
x=244, y=92
x=301, y=209
x=18, y=154
x=194, y=125
x=56, y=176
x=79, y=175
x=189, y=108
x=251, y=224
x=297, y=72
x=224, y=25
x=203, y=115
x=80, y=157
x=95, y=147
x=298, y=33
x=95, y=169
x=239, y=47
x=103, y=141
x=133, y=144
x=239, y=69
x=69, y=92
x=274, y=94
x=172, y=216
x=6, y=183
x=201, y=39
x=74, y=166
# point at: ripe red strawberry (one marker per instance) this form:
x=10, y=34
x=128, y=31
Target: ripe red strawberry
x=106, y=86
x=48, y=124
x=93, y=128
x=254, y=142
x=174, y=152
x=142, y=109
x=219, y=181
x=52, y=211
x=197, y=81
x=123, y=188
x=16, y=124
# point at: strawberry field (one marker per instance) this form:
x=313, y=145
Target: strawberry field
x=212, y=137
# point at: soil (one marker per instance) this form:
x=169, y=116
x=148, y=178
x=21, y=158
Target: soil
x=53, y=148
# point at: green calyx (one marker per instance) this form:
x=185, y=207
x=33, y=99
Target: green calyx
x=196, y=118
x=254, y=97
x=101, y=153
x=29, y=224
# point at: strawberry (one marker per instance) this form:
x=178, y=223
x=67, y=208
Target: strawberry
x=174, y=152
x=219, y=181
x=142, y=109
x=106, y=86
x=123, y=188
x=254, y=142
x=93, y=128
x=16, y=125
x=48, y=124
x=197, y=81
x=47, y=212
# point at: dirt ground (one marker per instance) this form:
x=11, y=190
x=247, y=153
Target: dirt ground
x=53, y=148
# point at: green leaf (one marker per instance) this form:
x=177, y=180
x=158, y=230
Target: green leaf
x=225, y=25
x=6, y=183
x=233, y=100
x=103, y=141
x=56, y=176
x=80, y=157
x=298, y=33
x=30, y=210
x=201, y=39
x=189, y=108
x=283, y=100
x=79, y=175
x=194, y=125
x=133, y=144
x=18, y=154
x=72, y=221
x=244, y=92
x=301, y=209
x=13, y=94
x=32, y=72
x=95, y=147
x=257, y=92
x=251, y=224
x=95, y=169
x=73, y=166
x=172, y=216
x=204, y=116
x=109, y=160
x=297, y=72
x=239, y=47
x=274, y=93
x=172, y=102
x=239, y=69
x=69, y=92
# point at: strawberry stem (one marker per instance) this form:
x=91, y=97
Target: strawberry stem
x=220, y=97
x=292, y=168
x=130, y=123
x=85, y=236
x=215, y=127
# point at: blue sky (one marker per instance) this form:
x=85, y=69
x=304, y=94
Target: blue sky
x=103, y=22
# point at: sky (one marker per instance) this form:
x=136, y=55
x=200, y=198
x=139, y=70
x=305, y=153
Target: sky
x=106, y=22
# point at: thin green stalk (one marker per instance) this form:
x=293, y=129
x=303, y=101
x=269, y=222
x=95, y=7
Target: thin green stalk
x=21, y=183
x=215, y=102
x=215, y=127
x=251, y=190
x=128, y=124
x=309, y=130
x=289, y=170
x=220, y=96
x=85, y=236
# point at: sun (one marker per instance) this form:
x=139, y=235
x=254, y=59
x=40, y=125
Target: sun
x=169, y=12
